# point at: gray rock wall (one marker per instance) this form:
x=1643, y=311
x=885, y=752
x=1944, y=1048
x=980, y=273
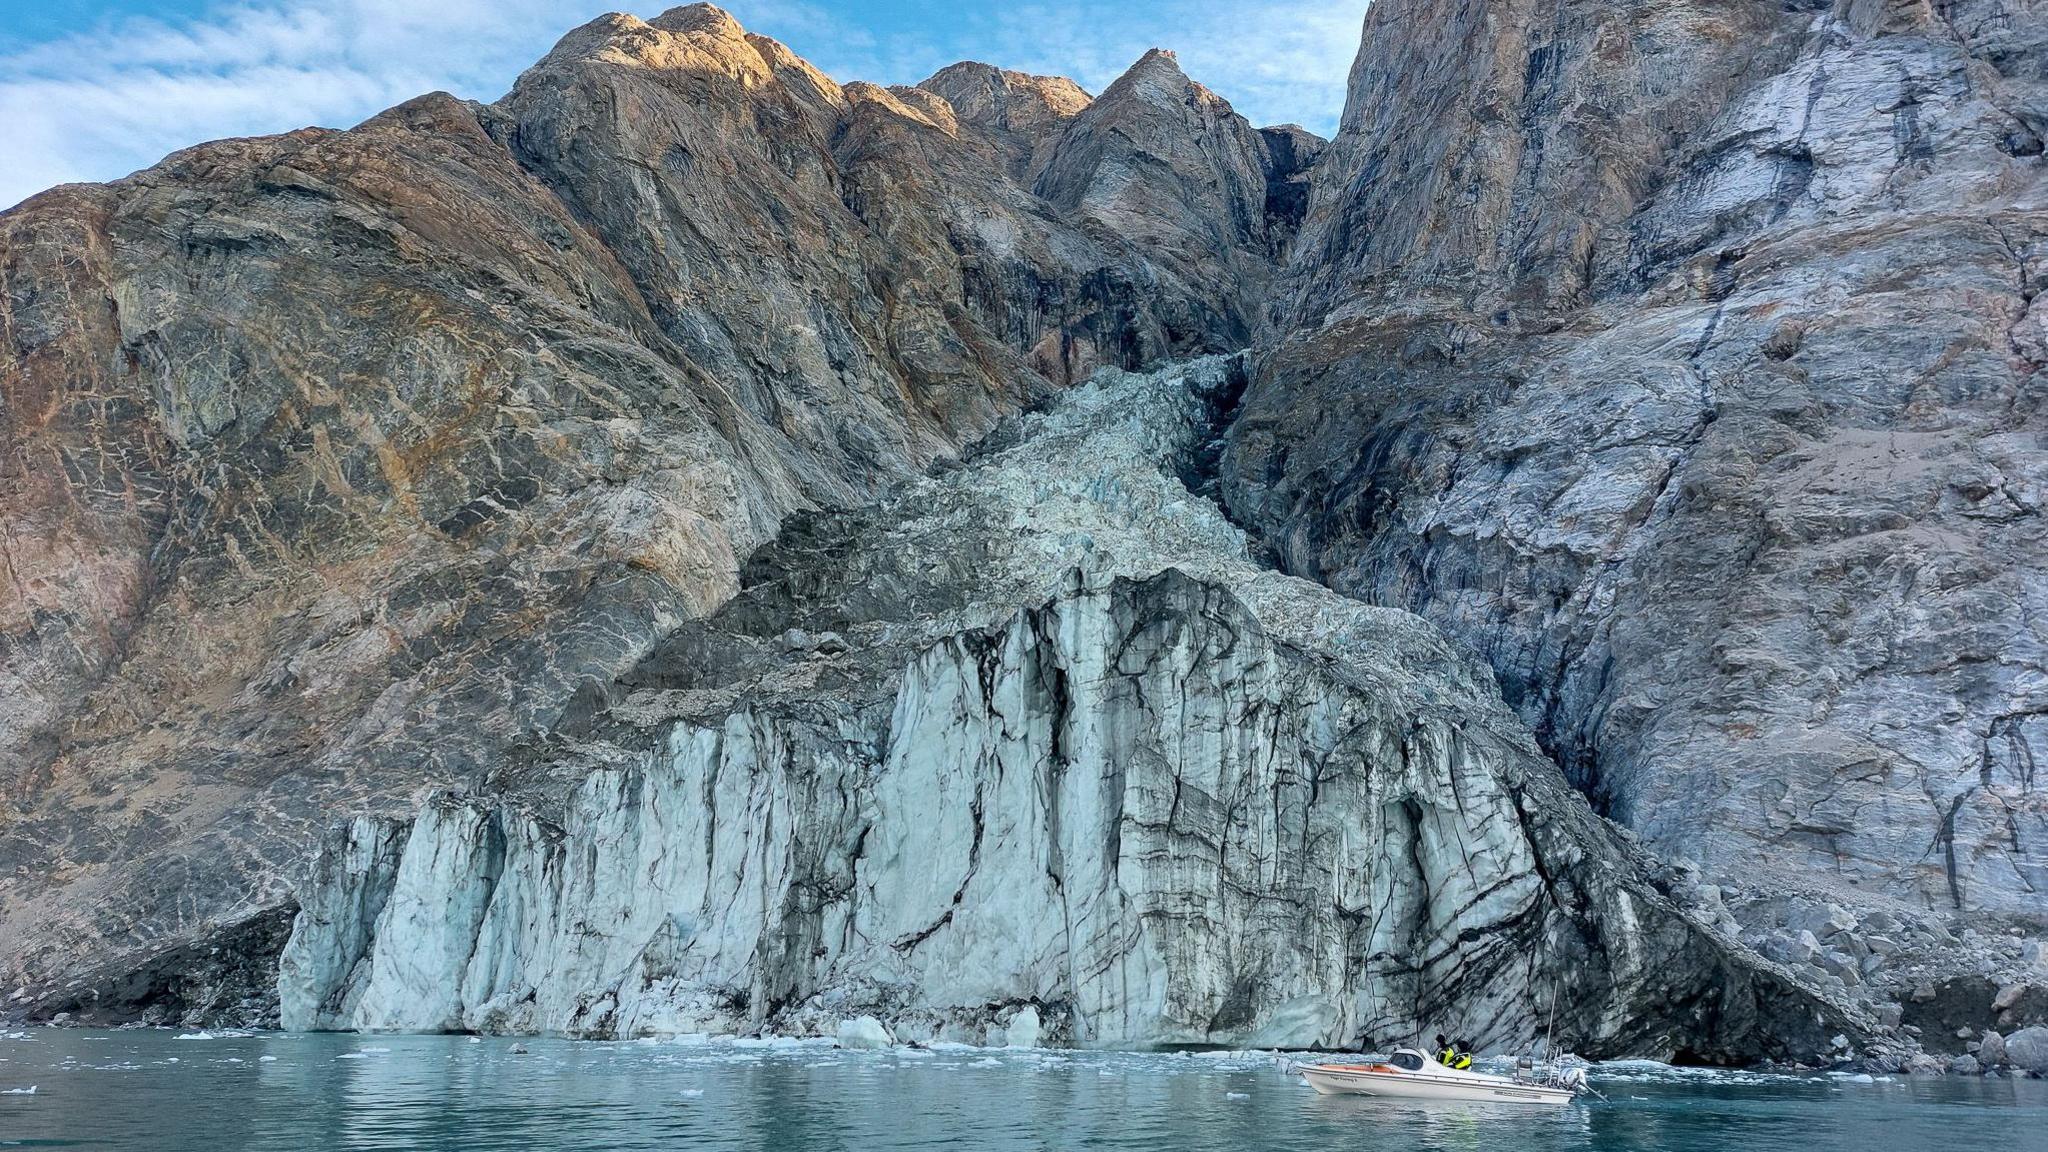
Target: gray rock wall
x=1692, y=378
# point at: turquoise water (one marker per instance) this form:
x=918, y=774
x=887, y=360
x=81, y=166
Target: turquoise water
x=150, y=1089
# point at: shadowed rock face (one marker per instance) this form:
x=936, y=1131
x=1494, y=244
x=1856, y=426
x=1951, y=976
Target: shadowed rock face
x=333, y=463
x=1174, y=799
x=1207, y=234
x=1684, y=361
x=1291, y=155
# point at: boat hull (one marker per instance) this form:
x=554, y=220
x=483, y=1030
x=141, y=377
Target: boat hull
x=1361, y=1080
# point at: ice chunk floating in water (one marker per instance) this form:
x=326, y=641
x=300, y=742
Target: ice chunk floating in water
x=863, y=1032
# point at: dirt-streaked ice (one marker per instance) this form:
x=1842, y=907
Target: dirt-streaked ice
x=1176, y=798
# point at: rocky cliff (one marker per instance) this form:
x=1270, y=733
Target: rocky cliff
x=1682, y=360
x=335, y=463
x=570, y=564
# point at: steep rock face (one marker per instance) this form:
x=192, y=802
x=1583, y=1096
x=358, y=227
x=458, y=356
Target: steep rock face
x=1211, y=229
x=333, y=463
x=1684, y=361
x=301, y=434
x=1175, y=800
x=1023, y=115
x=1291, y=156
x=1072, y=295
x=1487, y=150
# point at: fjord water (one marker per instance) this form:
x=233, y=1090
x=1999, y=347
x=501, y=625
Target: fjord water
x=156, y=1090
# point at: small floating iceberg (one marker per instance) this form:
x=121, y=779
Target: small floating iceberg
x=1024, y=1029
x=863, y=1032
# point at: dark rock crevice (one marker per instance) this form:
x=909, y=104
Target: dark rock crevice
x=226, y=976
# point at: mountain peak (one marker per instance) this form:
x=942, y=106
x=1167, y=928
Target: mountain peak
x=695, y=38
x=981, y=91
x=664, y=41
x=709, y=18
x=1156, y=78
x=1159, y=62
x=1019, y=113
x=1202, y=207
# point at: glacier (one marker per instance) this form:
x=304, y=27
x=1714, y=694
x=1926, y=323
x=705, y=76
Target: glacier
x=1176, y=799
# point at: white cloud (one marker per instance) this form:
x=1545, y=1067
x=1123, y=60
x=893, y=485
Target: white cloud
x=103, y=103
x=97, y=105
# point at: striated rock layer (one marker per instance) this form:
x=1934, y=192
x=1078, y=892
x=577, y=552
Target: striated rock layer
x=1683, y=360
x=1175, y=799
x=334, y=463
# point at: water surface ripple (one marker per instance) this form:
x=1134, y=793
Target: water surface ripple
x=224, y=1092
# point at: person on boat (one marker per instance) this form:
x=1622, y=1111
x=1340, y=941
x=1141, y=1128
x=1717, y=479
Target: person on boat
x=1464, y=1050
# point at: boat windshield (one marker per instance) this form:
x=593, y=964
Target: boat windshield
x=1408, y=1061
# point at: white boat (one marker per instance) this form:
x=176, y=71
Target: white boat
x=1410, y=1075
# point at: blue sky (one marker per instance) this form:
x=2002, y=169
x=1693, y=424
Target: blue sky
x=94, y=89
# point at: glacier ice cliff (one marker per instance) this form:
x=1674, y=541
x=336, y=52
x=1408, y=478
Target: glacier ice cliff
x=1176, y=799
